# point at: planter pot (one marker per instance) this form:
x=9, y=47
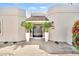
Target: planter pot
x=27, y=36
x=46, y=36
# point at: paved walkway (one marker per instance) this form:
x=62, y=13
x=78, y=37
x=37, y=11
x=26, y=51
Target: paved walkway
x=54, y=47
x=60, y=48
x=37, y=48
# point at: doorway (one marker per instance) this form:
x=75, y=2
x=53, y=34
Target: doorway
x=37, y=31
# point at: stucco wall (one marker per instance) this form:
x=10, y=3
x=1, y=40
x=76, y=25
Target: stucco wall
x=10, y=28
x=63, y=26
x=11, y=19
x=21, y=30
x=10, y=11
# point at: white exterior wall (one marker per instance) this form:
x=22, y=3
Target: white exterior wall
x=21, y=30
x=63, y=26
x=10, y=28
x=64, y=17
x=28, y=13
x=10, y=18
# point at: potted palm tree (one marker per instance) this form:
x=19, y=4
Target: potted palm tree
x=28, y=27
x=46, y=26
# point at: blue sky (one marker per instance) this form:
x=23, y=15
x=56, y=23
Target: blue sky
x=29, y=6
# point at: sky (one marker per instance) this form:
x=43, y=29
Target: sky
x=29, y=6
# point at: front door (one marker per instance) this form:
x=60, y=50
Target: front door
x=37, y=30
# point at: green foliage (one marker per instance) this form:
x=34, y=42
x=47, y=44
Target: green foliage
x=27, y=25
x=77, y=47
x=75, y=35
x=46, y=26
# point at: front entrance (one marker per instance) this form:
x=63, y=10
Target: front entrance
x=37, y=31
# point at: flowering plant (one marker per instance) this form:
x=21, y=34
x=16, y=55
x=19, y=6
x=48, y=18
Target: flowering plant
x=75, y=32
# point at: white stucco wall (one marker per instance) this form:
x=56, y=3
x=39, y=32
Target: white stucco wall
x=28, y=13
x=10, y=28
x=11, y=19
x=63, y=21
x=21, y=30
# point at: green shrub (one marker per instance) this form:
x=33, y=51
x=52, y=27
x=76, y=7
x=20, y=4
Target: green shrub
x=27, y=25
x=46, y=26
